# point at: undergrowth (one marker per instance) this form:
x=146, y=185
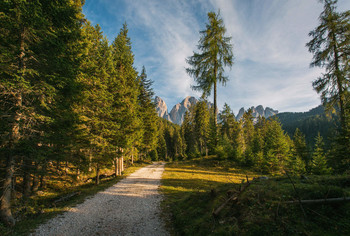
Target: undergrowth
x=194, y=189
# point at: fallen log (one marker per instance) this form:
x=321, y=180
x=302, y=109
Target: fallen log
x=65, y=198
x=233, y=198
x=326, y=200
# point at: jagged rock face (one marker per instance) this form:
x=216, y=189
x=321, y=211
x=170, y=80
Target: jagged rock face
x=240, y=113
x=257, y=112
x=161, y=108
x=270, y=112
x=177, y=114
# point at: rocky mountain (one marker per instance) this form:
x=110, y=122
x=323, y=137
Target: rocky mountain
x=257, y=112
x=161, y=108
x=177, y=114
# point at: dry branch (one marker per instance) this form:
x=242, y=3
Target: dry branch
x=65, y=198
x=326, y=200
x=233, y=198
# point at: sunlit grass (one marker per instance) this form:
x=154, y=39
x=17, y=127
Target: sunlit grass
x=194, y=189
x=188, y=187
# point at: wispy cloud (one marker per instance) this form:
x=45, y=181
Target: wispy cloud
x=271, y=60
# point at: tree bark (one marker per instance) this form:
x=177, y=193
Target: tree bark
x=97, y=174
x=26, y=178
x=5, y=207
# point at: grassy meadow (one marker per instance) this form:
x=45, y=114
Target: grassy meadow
x=194, y=189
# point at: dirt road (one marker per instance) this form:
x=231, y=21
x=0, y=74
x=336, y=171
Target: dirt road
x=130, y=207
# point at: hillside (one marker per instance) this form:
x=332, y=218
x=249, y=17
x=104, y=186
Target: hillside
x=310, y=123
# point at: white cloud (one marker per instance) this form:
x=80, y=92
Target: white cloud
x=271, y=60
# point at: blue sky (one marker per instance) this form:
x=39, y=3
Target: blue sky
x=271, y=65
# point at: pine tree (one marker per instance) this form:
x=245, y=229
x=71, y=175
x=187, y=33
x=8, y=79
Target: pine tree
x=319, y=164
x=300, y=146
x=276, y=147
x=207, y=67
x=40, y=55
x=147, y=113
x=126, y=93
x=201, y=125
x=95, y=109
x=330, y=46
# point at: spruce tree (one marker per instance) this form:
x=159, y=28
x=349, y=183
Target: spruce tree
x=126, y=92
x=330, y=46
x=319, y=164
x=207, y=66
x=201, y=125
x=40, y=55
x=300, y=146
x=147, y=113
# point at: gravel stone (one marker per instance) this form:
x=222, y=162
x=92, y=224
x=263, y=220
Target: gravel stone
x=130, y=207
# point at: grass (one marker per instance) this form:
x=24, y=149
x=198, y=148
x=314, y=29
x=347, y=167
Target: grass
x=261, y=209
x=38, y=209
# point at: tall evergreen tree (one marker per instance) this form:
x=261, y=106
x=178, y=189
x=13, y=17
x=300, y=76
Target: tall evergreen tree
x=319, y=164
x=330, y=46
x=39, y=61
x=201, y=125
x=147, y=113
x=300, y=146
x=126, y=93
x=207, y=67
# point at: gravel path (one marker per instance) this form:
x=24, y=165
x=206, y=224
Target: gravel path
x=130, y=207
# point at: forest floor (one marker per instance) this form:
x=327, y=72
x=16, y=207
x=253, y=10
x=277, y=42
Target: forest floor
x=130, y=207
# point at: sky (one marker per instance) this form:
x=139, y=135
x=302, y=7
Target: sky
x=271, y=62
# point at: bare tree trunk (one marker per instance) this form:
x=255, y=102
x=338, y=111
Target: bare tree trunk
x=116, y=166
x=26, y=178
x=132, y=155
x=97, y=174
x=5, y=207
x=35, y=185
x=215, y=114
x=42, y=177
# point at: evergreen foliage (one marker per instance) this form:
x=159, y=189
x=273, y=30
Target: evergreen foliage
x=207, y=67
x=319, y=164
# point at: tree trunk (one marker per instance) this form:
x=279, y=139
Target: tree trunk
x=35, y=185
x=42, y=177
x=5, y=207
x=132, y=155
x=26, y=178
x=340, y=86
x=116, y=166
x=215, y=115
x=97, y=174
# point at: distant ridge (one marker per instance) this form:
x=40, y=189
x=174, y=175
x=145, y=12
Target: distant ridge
x=177, y=113
x=309, y=123
x=257, y=112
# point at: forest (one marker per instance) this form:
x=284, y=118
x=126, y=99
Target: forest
x=72, y=103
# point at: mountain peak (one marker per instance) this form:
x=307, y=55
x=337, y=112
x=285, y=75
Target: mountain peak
x=161, y=108
x=257, y=112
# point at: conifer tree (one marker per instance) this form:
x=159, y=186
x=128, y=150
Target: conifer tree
x=330, y=46
x=207, y=67
x=125, y=94
x=300, y=146
x=201, y=125
x=147, y=113
x=95, y=108
x=319, y=164
x=39, y=61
